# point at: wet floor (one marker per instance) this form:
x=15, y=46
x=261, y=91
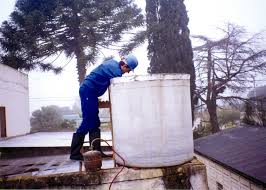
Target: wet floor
x=46, y=139
x=18, y=165
x=45, y=165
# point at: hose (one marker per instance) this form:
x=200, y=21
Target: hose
x=123, y=166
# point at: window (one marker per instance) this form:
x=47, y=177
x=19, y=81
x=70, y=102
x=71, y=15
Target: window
x=219, y=186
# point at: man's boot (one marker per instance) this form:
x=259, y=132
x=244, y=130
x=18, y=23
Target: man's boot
x=97, y=143
x=95, y=134
x=76, y=145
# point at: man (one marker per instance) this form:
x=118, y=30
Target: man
x=95, y=85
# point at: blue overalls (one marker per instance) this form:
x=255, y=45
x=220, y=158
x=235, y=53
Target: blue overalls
x=95, y=85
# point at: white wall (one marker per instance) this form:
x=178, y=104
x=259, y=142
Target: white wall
x=229, y=179
x=14, y=96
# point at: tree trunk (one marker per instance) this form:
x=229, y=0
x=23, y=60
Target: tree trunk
x=79, y=50
x=212, y=109
x=81, y=65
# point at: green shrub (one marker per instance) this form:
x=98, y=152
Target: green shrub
x=68, y=124
x=228, y=117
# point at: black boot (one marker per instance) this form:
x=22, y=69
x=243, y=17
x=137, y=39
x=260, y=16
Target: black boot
x=96, y=134
x=76, y=145
x=97, y=143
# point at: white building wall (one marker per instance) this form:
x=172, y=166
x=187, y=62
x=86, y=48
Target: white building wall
x=14, y=96
x=228, y=179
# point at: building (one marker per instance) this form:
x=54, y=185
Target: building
x=14, y=102
x=235, y=158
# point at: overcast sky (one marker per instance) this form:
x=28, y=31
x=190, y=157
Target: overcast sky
x=204, y=15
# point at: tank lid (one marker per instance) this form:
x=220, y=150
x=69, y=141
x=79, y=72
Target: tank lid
x=152, y=77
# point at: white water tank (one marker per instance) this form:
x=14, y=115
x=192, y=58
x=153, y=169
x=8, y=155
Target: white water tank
x=151, y=116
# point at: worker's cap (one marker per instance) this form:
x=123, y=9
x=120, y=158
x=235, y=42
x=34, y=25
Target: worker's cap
x=131, y=61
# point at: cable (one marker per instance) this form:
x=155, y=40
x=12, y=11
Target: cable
x=115, y=153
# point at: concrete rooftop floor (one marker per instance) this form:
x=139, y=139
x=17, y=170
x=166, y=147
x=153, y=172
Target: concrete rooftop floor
x=46, y=139
x=48, y=164
x=44, y=165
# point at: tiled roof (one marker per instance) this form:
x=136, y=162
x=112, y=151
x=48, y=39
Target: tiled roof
x=241, y=149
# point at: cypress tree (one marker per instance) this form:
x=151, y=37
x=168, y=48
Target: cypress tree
x=169, y=46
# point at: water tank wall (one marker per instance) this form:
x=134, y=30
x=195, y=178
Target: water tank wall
x=151, y=115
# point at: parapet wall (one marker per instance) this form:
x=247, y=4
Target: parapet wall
x=191, y=175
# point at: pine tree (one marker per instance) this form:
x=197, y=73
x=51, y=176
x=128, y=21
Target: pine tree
x=78, y=28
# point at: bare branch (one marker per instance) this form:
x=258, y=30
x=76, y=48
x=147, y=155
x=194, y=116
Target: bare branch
x=229, y=63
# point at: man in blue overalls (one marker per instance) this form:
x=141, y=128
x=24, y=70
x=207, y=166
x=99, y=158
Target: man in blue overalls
x=95, y=85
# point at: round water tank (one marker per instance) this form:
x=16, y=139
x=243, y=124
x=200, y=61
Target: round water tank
x=151, y=117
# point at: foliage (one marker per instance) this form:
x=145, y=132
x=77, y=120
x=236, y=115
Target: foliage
x=203, y=130
x=202, y=125
x=255, y=112
x=248, y=114
x=227, y=63
x=46, y=118
x=135, y=41
x=39, y=29
x=226, y=116
x=50, y=118
x=169, y=46
x=68, y=124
